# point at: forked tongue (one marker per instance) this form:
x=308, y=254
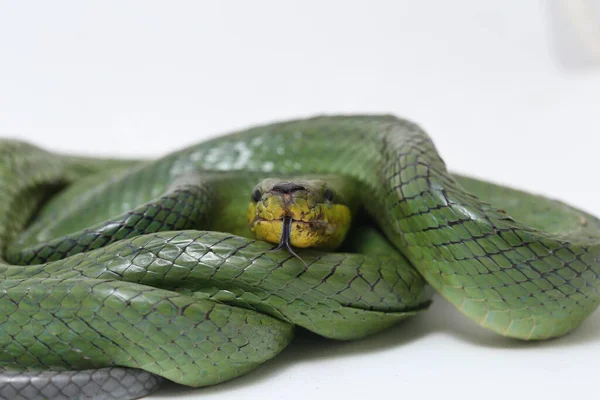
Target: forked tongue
x=286, y=238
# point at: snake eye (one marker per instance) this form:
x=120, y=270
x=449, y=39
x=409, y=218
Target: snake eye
x=256, y=195
x=328, y=194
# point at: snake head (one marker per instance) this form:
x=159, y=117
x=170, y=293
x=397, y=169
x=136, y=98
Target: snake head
x=298, y=212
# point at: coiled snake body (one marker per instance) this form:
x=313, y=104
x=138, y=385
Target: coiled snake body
x=117, y=273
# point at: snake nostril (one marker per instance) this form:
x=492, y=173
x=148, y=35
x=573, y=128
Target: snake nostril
x=287, y=187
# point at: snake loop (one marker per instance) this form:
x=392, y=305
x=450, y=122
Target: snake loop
x=118, y=272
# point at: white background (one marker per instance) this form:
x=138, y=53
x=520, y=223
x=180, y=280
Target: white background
x=143, y=78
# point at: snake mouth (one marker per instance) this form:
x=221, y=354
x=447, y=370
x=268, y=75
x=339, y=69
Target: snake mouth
x=289, y=232
x=313, y=223
x=297, y=233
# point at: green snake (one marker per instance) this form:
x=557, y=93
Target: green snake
x=119, y=273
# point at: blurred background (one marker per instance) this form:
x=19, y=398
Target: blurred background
x=509, y=90
x=494, y=83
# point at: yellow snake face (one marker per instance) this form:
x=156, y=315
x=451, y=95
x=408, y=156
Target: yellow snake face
x=303, y=213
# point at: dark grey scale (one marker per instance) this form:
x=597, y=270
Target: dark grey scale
x=100, y=384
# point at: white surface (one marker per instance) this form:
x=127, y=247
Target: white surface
x=142, y=78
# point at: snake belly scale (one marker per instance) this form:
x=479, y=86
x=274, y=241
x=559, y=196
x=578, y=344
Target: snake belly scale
x=119, y=273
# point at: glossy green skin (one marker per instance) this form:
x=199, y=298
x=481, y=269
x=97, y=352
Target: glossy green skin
x=201, y=307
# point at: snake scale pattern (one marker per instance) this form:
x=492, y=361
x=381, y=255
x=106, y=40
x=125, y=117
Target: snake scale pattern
x=118, y=274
